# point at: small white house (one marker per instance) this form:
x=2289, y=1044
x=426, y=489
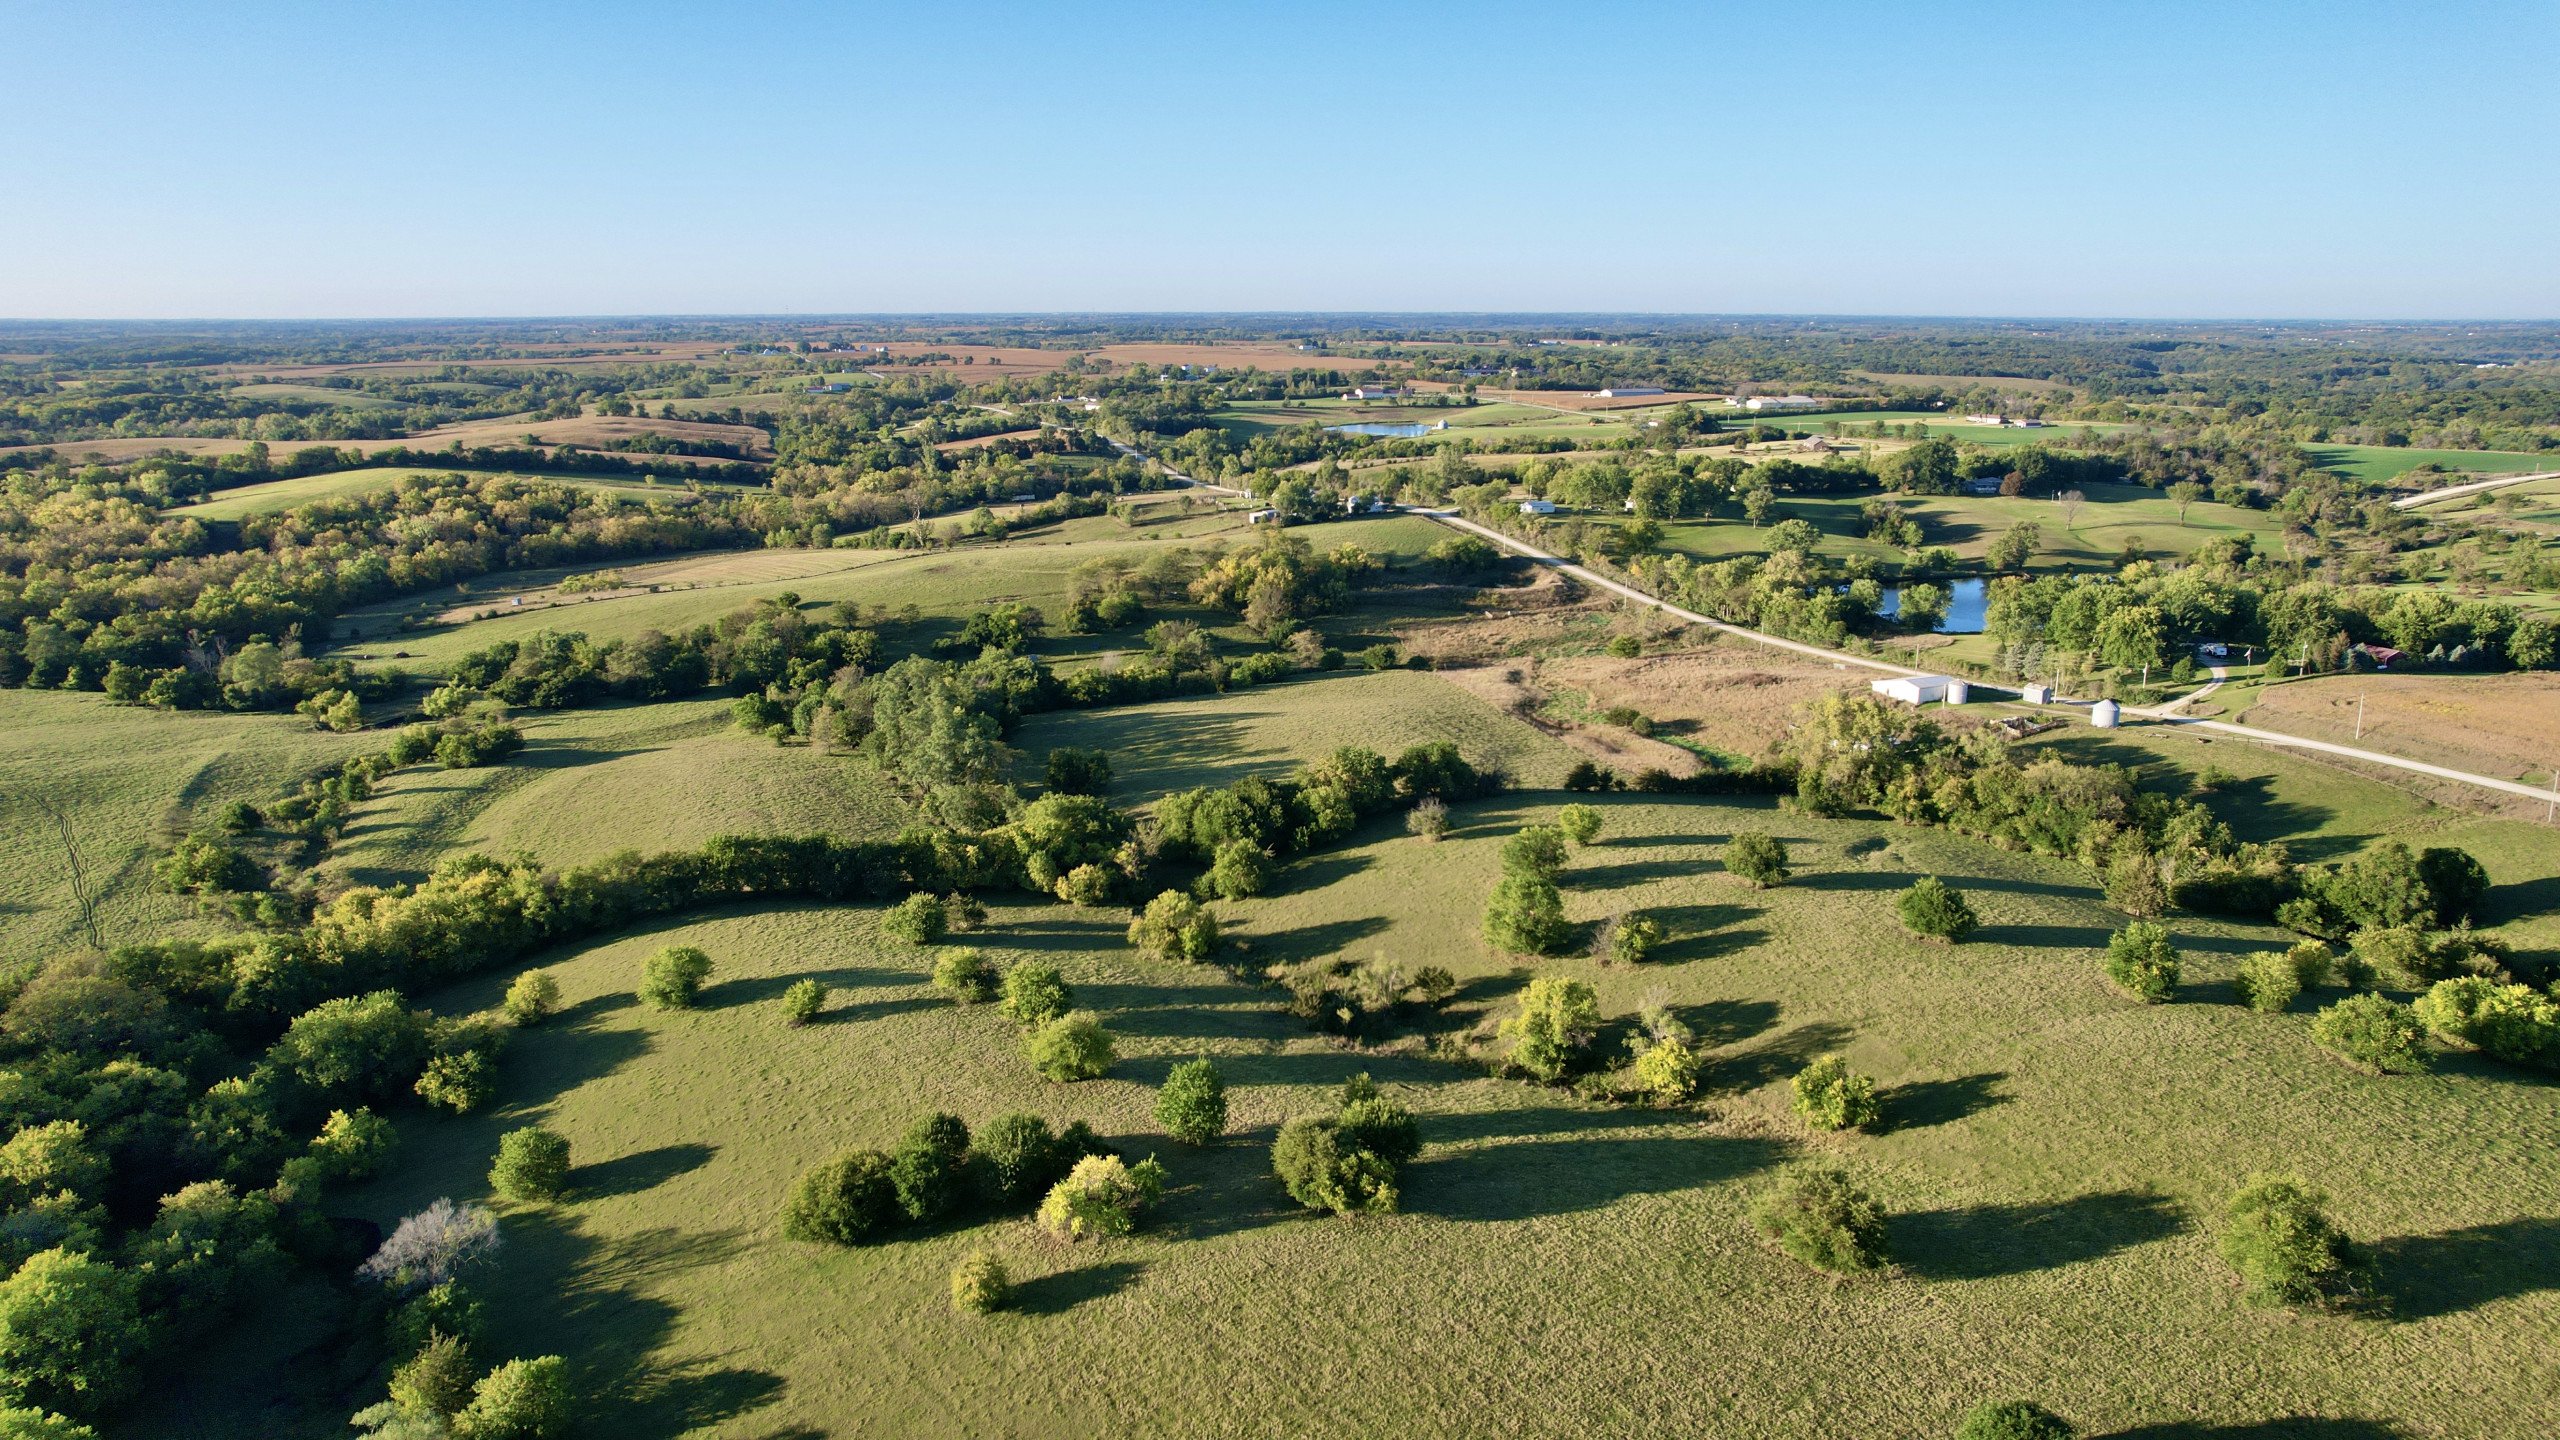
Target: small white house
x=1781, y=402
x=1537, y=507
x=1262, y=517
x=2038, y=694
x=1621, y=392
x=1374, y=392
x=1913, y=689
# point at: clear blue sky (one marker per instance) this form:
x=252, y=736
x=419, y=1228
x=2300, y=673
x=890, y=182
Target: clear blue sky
x=556, y=158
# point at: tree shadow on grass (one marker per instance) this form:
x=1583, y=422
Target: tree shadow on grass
x=2431, y=1275
x=2282, y=1427
x=2042, y=937
x=755, y=990
x=572, y=1048
x=1523, y=1179
x=1982, y=1241
x=1777, y=1059
x=1922, y=1104
x=1077, y=935
x=1318, y=873
x=862, y=1011
x=1059, y=1293
x=1627, y=873
x=1309, y=942
x=641, y=1170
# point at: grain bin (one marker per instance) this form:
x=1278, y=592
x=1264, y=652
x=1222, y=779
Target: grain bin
x=1958, y=692
x=2105, y=714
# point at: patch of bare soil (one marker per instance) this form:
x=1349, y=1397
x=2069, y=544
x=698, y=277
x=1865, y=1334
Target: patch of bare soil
x=1510, y=689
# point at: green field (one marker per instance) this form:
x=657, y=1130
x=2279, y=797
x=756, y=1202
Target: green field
x=2379, y=464
x=269, y=497
x=2054, y=1170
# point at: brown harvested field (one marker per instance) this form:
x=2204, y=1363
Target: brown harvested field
x=2502, y=725
x=1729, y=695
x=129, y=447
x=557, y=356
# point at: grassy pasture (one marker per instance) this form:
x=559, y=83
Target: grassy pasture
x=2381, y=464
x=269, y=497
x=2055, y=1170
x=126, y=778
x=591, y=782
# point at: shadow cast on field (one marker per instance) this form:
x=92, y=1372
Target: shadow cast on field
x=1523, y=1179
x=755, y=990
x=1778, y=1059
x=1979, y=1242
x=2431, y=1275
x=862, y=1011
x=640, y=1170
x=1317, y=874
x=1627, y=873
x=1924, y=1104
x=2282, y=1428
x=1309, y=942
x=1059, y=1293
x=2042, y=937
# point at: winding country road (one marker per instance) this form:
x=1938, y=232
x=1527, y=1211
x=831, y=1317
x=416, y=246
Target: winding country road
x=2476, y=487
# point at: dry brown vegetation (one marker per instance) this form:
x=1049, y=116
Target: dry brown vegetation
x=2506, y=725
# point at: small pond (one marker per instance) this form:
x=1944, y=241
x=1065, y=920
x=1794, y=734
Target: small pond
x=1397, y=432
x=1967, y=603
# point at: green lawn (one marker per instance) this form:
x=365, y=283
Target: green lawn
x=2378, y=464
x=2055, y=1166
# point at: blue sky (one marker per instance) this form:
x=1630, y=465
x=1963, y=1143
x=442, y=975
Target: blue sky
x=2161, y=159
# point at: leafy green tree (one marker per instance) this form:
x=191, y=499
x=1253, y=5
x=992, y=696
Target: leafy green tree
x=1760, y=860
x=436, y=1380
x=368, y=1047
x=1580, y=823
x=2279, y=1237
x=532, y=1165
x=25, y=1422
x=1668, y=1071
x=70, y=1330
x=918, y=920
x=1525, y=915
x=460, y=1082
x=520, y=1400
x=53, y=1158
x=1072, y=1047
x=1631, y=939
x=1035, y=994
x=850, y=1200
x=673, y=978
x=1101, y=1197
x=965, y=975
x=2374, y=1031
x=1192, y=1106
x=1240, y=872
x=1175, y=927
x=1538, y=850
x=979, y=1285
x=1933, y=911
x=2014, y=1420
x=1019, y=1156
x=929, y=1167
x=2269, y=980
x=532, y=998
x=802, y=1000
x=2141, y=959
x=1556, y=1020
x=1322, y=1171
x=1824, y=1220
x=1831, y=1096
x=2516, y=1023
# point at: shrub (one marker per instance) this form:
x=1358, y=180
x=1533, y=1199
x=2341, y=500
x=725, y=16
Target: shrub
x=2287, y=1249
x=2513, y=1022
x=2014, y=1420
x=1831, y=1096
x=532, y=1165
x=533, y=998
x=2134, y=886
x=1557, y=1018
x=1538, y=850
x=962, y=912
x=965, y=976
x=1668, y=1071
x=438, y=1244
x=1078, y=772
x=979, y=1285
x=846, y=1201
x=69, y=1331
x=2269, y=980
x=1192, y=1106
x=1628, y=939
x=802, y=1000
x=1588, y=778
x=2142, y=961
x=1525, y=915
x=2374, y=1031
x=1175, y=927
x=1822, y=1219
x=1035, y=994
x=1323, y=1172
x=929, y=1169
x=1427, y=820
x=1580, y=823
x=436, y=1380
x=1072, y=1047
x=2312, y=963
x=520, y=1400
x=1625, y=647
x=461, y=1082
x=1933, y=911
x=918, y=920
x=353, y=1145
x=1757, y=858
x=1019, y=1158
x=672, y=979
x=1240, y=872
x=1087, y=886
x=1101, y=1197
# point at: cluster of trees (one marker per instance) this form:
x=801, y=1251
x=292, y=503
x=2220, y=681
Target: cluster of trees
x=1349, y=1161
x=771, y=649
x=940, y=1170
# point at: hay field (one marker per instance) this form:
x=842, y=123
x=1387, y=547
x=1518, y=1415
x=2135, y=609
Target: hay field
x=2053, y=1222
x=2503, y=725
x=128, y=779
x=2381, y=464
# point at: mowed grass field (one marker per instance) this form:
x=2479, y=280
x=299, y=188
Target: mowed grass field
x=2380, y=464
x=2055, y=1164
x=2111, y=516
x=127, y=779
x=269, y=497
x=621, y=777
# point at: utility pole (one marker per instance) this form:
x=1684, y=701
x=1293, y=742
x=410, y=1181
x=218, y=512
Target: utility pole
x=2359, y=717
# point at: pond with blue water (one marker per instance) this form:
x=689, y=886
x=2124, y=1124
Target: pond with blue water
x=1398, y=432
x=1968, y=602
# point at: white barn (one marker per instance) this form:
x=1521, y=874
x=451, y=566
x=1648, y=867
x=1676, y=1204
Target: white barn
x=1914, y=689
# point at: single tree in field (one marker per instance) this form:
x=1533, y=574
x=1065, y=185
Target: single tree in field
x=2184, y=494
x=2070, y=501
